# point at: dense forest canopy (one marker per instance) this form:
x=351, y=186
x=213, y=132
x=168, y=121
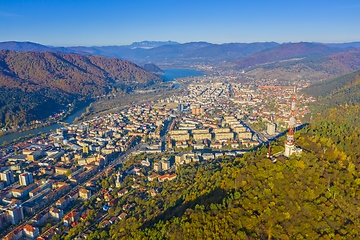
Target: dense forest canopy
x=338, y=99
x=313, y=196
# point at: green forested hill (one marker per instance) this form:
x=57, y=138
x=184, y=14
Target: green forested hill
x=45, y=80
x=314, y=196
x=17, y=106
x=338, y=99
x=336, y=87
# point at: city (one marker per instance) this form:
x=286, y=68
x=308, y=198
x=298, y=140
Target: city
x=167, y=120
x=48, y=182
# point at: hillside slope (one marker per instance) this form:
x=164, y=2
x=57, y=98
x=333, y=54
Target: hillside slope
x=335, y=88
x=150, y=67
x=313, y=68
x=285, y=51
x=315, y=196
x=56, y=79
x=338, y=99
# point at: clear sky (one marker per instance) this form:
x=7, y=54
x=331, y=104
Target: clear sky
x=121, y=22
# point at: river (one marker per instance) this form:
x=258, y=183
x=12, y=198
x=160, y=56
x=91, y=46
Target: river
x=169, y=75
x=69, y=119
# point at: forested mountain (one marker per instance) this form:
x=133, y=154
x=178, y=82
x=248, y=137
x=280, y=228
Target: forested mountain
x=228, y=51
x=150, y=67
x=242, y=54
x=335, y=88
x=23, y=46
x=316, y=67
x=191, y=52
x=313, y=196
x=36, y=47
x=343, y=45
x=45, y=80
x=286, y=51
x=338, y=99
x=155, y=52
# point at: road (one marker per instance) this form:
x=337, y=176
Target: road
x=257, y=136
x=119, y=160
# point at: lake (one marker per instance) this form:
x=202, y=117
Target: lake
x=172, y=73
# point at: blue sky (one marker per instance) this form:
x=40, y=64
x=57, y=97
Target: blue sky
x=119, y=22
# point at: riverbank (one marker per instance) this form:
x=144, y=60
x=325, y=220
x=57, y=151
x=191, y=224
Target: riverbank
x=50, y=121
x=13, y=138
x=89, y=109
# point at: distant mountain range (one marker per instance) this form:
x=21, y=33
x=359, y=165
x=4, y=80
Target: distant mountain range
x=34, y=84
x=155, y=52
x=313, y=66
x=343, y=45
x=150, y=44
x=282, y=61
x=286, y=51
x=174, y=53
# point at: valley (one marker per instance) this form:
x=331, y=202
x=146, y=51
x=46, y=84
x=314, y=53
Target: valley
x=148, y=160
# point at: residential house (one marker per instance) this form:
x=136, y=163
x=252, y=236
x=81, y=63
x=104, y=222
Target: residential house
x=30, y=231
x=41, y=217
x=48, y=234
x=84, y=194
x=122, y=216
x=104, y=223
x=113, y=220
x=152, y=177
x=71, y=217
x=122, y=192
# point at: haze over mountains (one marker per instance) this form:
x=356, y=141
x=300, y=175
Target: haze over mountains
x=239, y=55
x=286, y=51
x=46, y=73
x=156, y=52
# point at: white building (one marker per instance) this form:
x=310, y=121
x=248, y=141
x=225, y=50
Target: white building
x=26, y=179
x=7, y=176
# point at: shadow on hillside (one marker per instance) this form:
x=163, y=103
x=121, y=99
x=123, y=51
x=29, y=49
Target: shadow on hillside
x=216, y=196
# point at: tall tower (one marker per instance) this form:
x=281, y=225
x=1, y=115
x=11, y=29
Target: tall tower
x=290, y=144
